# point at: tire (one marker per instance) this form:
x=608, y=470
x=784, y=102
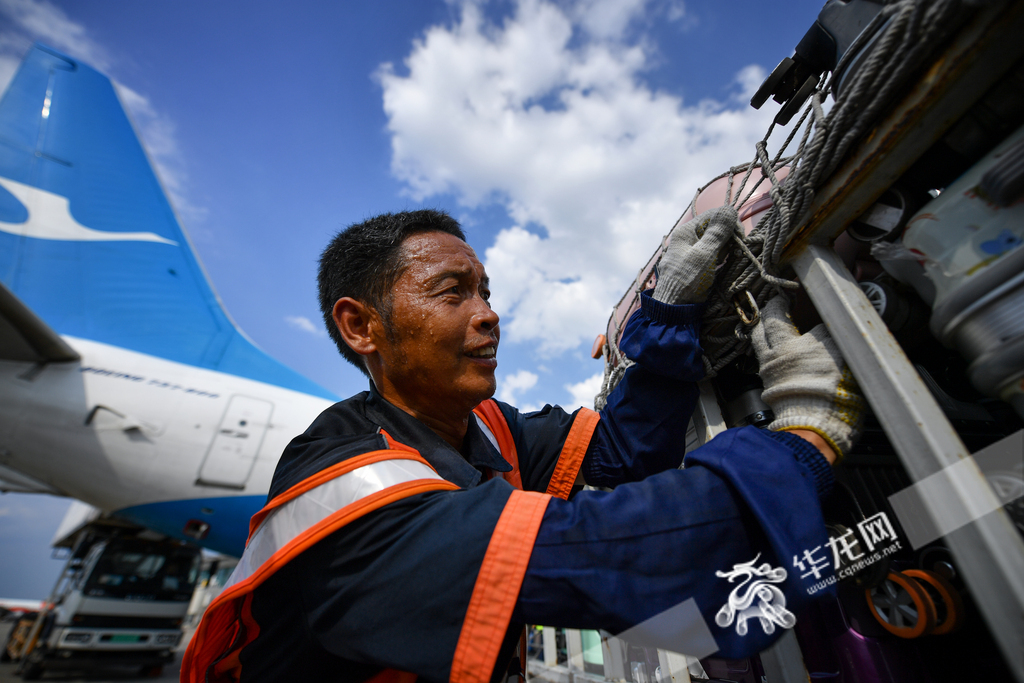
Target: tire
x=32, y=665
x=32, y=671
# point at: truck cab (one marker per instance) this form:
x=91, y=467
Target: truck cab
x=120, y=601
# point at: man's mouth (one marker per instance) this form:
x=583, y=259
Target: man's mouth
x=485, y=352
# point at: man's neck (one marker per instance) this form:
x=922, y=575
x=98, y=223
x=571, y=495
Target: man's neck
x=450, y=425
x=451, y=430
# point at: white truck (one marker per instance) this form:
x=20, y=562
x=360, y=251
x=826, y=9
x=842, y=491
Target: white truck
x=120, y=600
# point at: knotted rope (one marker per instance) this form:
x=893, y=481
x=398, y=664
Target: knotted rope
x=889, y=50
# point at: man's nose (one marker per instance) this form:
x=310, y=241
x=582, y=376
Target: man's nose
x=485, y=316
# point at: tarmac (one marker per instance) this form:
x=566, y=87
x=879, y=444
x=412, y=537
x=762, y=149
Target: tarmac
x=109, y=675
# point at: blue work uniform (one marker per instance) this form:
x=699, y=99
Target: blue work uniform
x=392, y=589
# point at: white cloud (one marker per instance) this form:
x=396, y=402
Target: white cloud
x=24, y=21
x=548, y=115
x=676, y=11
x=43, y=21
x=583, y=393
x=606, y=18
x=301, y=322
x=749, y=79
x=511, y=387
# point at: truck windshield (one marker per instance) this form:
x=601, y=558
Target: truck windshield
x=134, y=570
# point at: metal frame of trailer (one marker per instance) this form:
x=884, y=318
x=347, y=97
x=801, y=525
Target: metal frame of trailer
x=989, y=551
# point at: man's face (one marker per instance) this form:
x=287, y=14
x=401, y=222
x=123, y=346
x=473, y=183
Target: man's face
x=445, y=335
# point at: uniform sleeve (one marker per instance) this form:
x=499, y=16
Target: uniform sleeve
x=642, y=429
x=551, y=445
x=398, y=588
x=612, y=560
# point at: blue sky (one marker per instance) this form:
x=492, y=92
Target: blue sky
x=567, y=136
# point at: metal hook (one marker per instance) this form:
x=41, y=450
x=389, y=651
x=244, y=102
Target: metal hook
x=751, y=319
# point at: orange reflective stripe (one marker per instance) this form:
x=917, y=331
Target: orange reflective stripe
x=218, y=628
x=325, y=475
x=491, y=414
x=571, y=458
x=497, y=587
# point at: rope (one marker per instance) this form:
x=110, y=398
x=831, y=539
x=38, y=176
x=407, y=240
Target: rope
x=903, y=33
x=893, y=44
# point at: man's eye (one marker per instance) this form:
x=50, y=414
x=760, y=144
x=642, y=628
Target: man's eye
x=454, y=289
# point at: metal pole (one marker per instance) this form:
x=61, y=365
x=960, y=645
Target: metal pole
x=989, y=552
x=783, y=662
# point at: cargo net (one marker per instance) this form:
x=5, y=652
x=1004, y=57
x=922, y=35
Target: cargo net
x=893, y=44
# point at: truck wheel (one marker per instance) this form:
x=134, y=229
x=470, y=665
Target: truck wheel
x=32, y=671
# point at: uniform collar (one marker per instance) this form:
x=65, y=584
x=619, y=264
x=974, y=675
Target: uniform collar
x=462, y=470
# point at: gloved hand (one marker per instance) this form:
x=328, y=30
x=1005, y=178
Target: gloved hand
x=806, y=382
x=687, y=268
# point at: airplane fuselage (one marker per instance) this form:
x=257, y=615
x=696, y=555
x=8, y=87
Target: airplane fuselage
x=128, y=432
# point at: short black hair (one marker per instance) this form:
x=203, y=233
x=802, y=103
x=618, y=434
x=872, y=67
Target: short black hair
x=364, y=261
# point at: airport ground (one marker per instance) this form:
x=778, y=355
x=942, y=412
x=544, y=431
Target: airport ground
x=170, y=672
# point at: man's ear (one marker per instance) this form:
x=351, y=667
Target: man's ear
x=357, y=324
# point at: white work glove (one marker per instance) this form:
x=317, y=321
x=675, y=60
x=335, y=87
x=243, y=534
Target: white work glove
x=687, y=269
x=806, y=382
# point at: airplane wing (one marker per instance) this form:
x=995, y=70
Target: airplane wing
x=12, y=481
x=24, y=337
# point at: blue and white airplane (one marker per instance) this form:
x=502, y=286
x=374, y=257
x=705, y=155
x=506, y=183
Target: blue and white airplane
x=123, y=382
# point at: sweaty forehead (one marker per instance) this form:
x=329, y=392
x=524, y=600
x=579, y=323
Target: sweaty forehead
x=431, y=255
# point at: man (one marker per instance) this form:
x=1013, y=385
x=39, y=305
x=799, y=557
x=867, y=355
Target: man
x=405, y=537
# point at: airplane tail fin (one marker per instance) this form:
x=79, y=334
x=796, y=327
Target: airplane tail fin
x=88, y=239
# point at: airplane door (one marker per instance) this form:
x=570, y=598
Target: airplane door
x=233, y=452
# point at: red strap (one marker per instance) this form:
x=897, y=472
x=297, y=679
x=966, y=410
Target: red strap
x=231, y=665
x=497, y=587
x=491, y=414
x=392, y=676
x=571, y=458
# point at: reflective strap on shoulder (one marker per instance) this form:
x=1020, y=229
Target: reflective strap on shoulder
x=497, y=587
x=289, y=529
x=571, y=458
x=328, y=473
x=287, y=521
